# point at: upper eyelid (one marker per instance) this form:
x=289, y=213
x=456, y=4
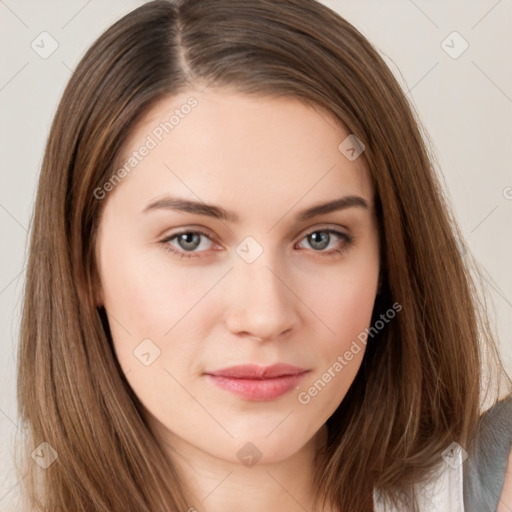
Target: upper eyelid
x=213, y=238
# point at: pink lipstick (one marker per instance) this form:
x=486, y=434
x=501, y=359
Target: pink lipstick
x=258, y=383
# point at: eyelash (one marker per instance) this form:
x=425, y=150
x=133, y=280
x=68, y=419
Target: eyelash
x=348, y=242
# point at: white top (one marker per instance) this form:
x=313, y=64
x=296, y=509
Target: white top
x=443, y=493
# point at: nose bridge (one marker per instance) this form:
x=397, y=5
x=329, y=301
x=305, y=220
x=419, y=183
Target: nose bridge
x=261, y=302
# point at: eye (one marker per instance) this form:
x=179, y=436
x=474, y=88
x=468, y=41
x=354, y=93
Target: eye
x=188, y=244
x=320, y=239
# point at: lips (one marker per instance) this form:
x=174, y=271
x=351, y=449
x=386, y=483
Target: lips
x=251, y=371
x=258, y=383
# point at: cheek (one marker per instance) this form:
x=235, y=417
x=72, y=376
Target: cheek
x=341, y=353
x=345, y=308
x=146, y=297
x=345, y=304
x=344, y=301
x=145, y=301
x=351, y=313
x=147, y=293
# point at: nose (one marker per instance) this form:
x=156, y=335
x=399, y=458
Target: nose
x=261, y=301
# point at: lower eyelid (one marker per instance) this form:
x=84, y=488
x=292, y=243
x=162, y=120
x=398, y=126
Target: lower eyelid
x=344, y=238
x=173, y=237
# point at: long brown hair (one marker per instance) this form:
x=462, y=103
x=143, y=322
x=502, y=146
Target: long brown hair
x=421, y=384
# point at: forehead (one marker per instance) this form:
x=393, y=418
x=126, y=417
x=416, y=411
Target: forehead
x=247, y=150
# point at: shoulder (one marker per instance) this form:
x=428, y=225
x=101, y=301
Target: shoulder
x=488, y=468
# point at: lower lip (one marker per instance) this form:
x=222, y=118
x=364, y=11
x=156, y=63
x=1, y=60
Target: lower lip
x=258, y=389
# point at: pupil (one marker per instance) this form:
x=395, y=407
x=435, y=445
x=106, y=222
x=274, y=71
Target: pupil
x=189, y=240
x=319, y=240
x=322, y=240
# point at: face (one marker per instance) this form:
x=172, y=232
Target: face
x=211, y=256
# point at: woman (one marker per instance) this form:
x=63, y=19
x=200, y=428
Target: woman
x=247, y=289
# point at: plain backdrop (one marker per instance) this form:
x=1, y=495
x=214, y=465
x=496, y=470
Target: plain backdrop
x=459, y=83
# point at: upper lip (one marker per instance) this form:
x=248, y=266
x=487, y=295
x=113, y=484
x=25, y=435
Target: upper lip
x=252, y=371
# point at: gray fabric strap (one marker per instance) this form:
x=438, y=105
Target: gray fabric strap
x=484, y=469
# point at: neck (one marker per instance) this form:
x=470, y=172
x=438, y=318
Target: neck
x=219, y=484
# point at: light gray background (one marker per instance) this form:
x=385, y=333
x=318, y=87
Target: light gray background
x=465, y=105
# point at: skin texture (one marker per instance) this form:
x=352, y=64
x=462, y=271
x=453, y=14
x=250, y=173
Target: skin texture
x=265, y=159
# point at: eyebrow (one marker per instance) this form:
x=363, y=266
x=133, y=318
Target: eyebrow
x=217, y=212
